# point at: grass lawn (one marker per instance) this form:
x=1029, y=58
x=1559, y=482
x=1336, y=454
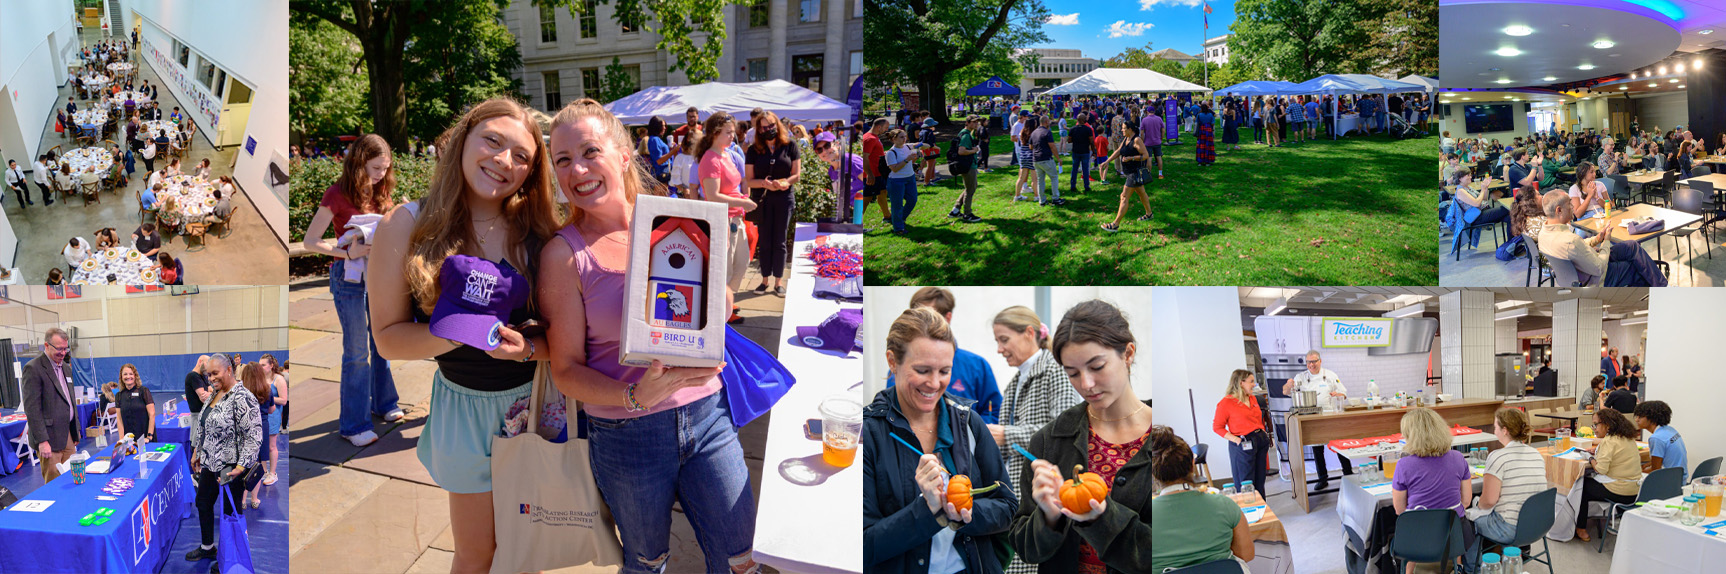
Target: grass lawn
x=1356, y=211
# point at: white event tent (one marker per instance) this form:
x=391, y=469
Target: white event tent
x=1124, y=81
x=1255, y=88
x=1348, y=84
x=785, y=99
x=1430, y=83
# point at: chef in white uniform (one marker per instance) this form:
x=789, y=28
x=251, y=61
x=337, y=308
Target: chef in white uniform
x=1331, y=395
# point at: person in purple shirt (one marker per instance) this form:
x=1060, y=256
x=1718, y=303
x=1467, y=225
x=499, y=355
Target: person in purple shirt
x=1312, y=118
x=1151, y=130
x=836, y=160
x=1429, y=474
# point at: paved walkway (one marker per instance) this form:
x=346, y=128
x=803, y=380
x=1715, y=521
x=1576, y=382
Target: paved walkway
x=250, y=255
x=378, y=501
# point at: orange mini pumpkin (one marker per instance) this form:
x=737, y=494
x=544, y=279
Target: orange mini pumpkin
x=1077, y=494
x=959, y=491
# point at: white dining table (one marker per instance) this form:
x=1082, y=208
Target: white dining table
x=1650, y=545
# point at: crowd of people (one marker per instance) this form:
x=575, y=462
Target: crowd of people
x=1547, y=154
x=236, y=408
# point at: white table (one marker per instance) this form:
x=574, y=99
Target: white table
x=801, y=524
x=1649, y=545
x=1385, y=448
x=127, y=265
x=1347, y=122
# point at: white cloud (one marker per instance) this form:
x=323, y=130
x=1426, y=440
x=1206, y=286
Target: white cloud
x=1147, y=4
x=1124, y=28
x=1063, y=20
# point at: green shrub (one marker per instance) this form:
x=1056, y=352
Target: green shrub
x=310, y=178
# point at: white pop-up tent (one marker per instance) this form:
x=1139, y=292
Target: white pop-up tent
x=1346, y=84
x=1124, y=81
x=1430, y=83
x=785, y=99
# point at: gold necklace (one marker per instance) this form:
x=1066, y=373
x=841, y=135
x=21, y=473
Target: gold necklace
x=1094, y=416
x=488, y=228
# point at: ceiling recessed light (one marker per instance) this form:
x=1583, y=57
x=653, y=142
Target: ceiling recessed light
x=1672, y=81
x=1680, y=85
x=1549, y=78
x=1663, y=70
x=1518, y=30
x=1623, y=87
x=1585, y=67
x=1466, y=99
x=1603, y=44
x=1696, y=64
x=1680, y=68
x=1508, y=51
x=1652, y=84
x=1502, y=82
x=1706, y=32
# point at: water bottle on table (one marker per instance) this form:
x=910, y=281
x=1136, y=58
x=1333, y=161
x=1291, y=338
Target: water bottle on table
x=1490, y=564
x=1512, y=560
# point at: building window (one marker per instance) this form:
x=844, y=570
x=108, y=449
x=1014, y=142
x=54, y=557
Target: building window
x=547, y=23
x=806, y=71
x=631, y=21
x=811, y=10
x=758, y=14
x=206, y=72
x=633, y=71
x=553, y=92
x=590, y=86
x=221, y=81
x=856, y=62
x=589, y=19
x=857, y=9
x=758, y=70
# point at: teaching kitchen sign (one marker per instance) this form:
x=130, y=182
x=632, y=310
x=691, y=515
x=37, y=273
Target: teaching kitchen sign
x=1356, y=332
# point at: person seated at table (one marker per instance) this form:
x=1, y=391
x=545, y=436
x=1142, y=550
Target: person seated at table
x=1107, y=434
x=1427, y=478
x=1526, y=217
x=203, y=169
x=71, y=107
x=75, y=252
x=1523, y=168
x=906, y=521
x=1552, y=168
x=55, y=277
x=1211, y=526
x=105, y=400
x=169, y=214
x=137, y=408
x=1616, y=460
x=1513, y=474
x=175, y=117
x=173, y=167
x=89, y=177
x=170, y=270
x=1621, y=263
x=1620, y=398
x=222, y=209
x=1331, y=392
x=148, y=197
x=224, y=440
x=1239, y=420
x=106, y=238
x=1611, y=162
x=64, y=178
x=1475, y=207
x=1665, y=446
x=146, y=240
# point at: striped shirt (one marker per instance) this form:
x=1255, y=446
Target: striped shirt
x=1521, y=473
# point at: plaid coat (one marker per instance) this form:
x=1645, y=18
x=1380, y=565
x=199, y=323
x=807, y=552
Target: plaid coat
x=1030, y=403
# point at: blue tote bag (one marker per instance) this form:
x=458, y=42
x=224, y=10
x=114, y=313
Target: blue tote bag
x=754, y=379
x=233, y=548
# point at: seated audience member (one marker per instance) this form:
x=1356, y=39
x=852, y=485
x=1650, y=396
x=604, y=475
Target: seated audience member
x=1621, y=398
x=1211, y=527
x=1428, y=477
x=1513, y=474
x=1620, y=263
x=1592, y=396
x=1665, y=446
x=1617, y=461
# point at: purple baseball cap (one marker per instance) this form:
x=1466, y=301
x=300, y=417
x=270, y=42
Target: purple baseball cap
x=840, y=332
x=475, y=299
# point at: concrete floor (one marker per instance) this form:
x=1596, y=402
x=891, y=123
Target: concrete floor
x=1479, y=268
x=250, y=255
x=378, y=501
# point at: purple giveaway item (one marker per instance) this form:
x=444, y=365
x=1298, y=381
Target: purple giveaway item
x=1649, y=226
x=839, y=332
x=476, y=298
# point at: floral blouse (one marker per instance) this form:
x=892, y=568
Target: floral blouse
x=227, y=433
x=1106, y=460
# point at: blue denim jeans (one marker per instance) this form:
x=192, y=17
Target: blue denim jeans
x=1490, y=527
x=688, y=455
x=367, y=385
x=1081, y=167
x=902, y=195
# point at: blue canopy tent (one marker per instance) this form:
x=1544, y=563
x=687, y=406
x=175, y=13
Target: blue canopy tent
x=1343, y=84
x=1255, y=88
x=994, y=86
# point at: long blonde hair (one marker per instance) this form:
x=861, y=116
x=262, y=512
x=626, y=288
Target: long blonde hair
x=1425, y=431
x=636, y=179
x=1018, y=318
x=443, y=227
x=1236, y=388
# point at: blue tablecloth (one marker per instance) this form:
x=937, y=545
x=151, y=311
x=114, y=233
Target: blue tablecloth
x=168, y=429
x=136, y=539
x=9, y=452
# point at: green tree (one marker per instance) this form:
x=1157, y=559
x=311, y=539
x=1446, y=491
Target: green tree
x=617, y=84
x=1168, y=68
x=326, y=94
x=1402, y=38
x=1131, y=58
x=923, y=42
x=1299, y=39
x=679, y=24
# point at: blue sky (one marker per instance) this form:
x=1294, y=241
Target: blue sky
x=1102, y=28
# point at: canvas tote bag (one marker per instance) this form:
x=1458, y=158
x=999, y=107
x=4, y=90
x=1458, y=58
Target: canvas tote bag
x=547, y=508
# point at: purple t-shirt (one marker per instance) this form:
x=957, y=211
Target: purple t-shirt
x=1151, y=129
x=1432, y=481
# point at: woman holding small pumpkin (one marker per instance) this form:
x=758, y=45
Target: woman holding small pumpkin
x=920, y=449
x=1098, y=520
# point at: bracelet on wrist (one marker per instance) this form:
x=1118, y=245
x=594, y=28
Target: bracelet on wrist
x=530, y=352
x=629, y=399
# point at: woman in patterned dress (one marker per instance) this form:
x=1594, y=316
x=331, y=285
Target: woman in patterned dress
x=225, y=440
x=1106, y=435
x=1207, y=149
x=1038, y=393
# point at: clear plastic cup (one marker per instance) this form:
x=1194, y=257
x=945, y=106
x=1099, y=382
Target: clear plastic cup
x=1563, y=440
x=841, y=425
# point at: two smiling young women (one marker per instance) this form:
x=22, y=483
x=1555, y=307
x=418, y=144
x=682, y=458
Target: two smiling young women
x=493, y=196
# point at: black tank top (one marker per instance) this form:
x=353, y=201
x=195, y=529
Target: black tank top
x=471, y=368
x=1130, y=166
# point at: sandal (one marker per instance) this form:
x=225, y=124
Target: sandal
x=1110, y=227
x=255, y=503
x=1145, y=217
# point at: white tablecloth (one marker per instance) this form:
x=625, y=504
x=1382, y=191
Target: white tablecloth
x=95, y=80
x=1347, y=122
x=139, y=98
x=153, y=126
x=127, y=265
x=119, y=68
x=801, y=523
x=192, y=195
x=87, y=158
x=1648, y=545
x=92, y=117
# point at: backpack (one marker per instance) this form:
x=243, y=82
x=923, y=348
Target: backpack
x=1511, y=249
x=957, y=164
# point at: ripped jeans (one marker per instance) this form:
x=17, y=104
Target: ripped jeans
x=689, y=455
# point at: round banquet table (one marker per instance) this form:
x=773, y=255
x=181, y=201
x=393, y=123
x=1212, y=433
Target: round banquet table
x=95, y=80
x=127, y=265
x=90, y=118
x=193, y=195
x=119, y=68
x=89, y=158
x=153, y=126
x=139, y=98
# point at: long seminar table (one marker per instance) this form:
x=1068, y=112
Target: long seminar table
x=19, y=427
x=1304, y=430
x=1650, y=545
x=795, y=482
x=1358, y=505
x=41, y=532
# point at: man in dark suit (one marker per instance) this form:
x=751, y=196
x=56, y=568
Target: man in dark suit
x=49, y=405
x=1609, y=366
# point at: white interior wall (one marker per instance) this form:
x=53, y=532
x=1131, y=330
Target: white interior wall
x=1591, y=113
x=249, y=41
x=1458, y=128
x=1684, y=366
x=37, y=41
x=1628, y=338
x=1665, y=111
x=1199, y=342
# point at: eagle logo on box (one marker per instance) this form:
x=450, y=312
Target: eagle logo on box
x=677, y=274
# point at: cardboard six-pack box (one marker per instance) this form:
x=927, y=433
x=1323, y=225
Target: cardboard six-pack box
x=675, y=308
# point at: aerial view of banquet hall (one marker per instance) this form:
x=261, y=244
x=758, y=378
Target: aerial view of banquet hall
x=1490, y=430
x=1563, y=118
x=143, y=143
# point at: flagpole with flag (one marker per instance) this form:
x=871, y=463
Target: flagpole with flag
x=1206, y=62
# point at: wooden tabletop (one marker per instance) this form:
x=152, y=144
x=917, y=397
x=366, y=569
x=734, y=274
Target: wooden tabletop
x=1322, y=428
x=1650, y=176
x=1674, y=220
x=1715, y=159
x=1267, y=528
x=1718, y=179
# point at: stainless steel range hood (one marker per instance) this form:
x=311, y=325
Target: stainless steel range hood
x=1409, y=335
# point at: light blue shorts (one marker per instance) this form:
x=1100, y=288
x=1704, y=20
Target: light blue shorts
x=455, y=445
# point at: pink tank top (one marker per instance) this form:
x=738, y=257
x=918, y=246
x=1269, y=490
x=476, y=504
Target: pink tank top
x=602, y=297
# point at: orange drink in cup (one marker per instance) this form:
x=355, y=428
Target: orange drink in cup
x=841, y=425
